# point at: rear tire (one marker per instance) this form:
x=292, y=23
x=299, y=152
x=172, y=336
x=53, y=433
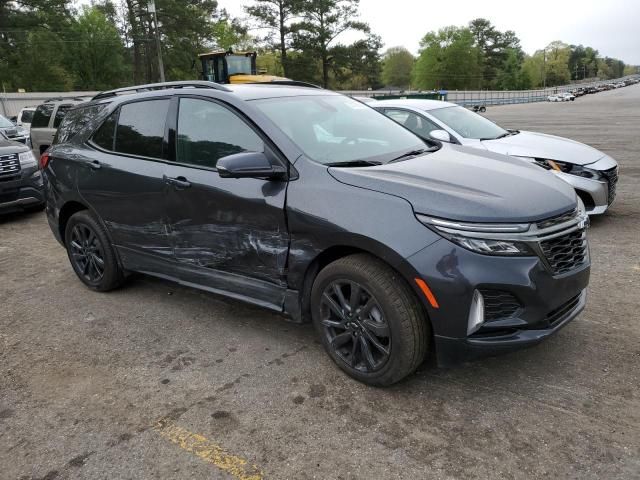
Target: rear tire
x=369, y=320
x=91, y=254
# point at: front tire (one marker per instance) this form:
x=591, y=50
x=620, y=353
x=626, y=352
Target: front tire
x=369, y=321
x=91, y=254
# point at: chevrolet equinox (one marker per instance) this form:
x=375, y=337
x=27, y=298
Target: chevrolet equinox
x=313, y=204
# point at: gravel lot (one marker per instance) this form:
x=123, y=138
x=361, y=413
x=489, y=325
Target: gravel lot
x=159, y=381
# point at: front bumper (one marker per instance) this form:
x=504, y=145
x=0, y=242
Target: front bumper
x=545, y=301
x=599, y=193
x=22, y=191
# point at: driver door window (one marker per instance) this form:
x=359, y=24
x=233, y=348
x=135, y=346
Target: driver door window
x=208, y=131
x=414, y=122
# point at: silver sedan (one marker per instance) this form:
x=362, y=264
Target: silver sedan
x=592, y=173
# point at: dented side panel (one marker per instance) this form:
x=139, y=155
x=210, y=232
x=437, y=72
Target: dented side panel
x=236, y=226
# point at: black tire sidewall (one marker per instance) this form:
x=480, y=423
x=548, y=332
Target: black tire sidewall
x=112, y=276
x=400, y=344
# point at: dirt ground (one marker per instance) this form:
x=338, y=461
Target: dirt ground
x=159, y=381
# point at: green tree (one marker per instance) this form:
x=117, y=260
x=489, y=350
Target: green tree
x=96, y=56
x=357, y=66
x=533, y=69
x=557, y=63
x=448, y=59
x=276, y=16
x=397, y=65
x=322, y=22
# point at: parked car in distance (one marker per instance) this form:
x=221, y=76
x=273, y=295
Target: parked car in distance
x=24, y=117
x=566, y=96
x=592, y=173
x=21, y=186
x=12, y=131
x=555, y=98
x=592, y=90
x=293, y=198
x=46, y=119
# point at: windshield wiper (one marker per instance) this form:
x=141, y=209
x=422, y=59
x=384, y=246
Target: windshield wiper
x=354, y=163
x=414, y=153
x=502, y=135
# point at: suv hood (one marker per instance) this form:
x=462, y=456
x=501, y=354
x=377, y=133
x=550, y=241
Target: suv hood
x=540, y=145
x=7, y=147
x=462, y=183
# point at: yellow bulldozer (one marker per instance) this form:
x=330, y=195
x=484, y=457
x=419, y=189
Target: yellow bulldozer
x=226, y=66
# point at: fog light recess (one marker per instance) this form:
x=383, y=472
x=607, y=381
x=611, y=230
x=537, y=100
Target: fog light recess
x=476, y=313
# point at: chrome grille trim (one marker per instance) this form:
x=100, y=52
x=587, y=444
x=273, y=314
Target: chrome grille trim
x=9, y=164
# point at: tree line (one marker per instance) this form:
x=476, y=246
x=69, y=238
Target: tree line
x=61, y=45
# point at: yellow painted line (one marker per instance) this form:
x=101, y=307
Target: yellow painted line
x=208, y=451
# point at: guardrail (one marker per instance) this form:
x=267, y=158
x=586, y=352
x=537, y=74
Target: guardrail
x=482, y=97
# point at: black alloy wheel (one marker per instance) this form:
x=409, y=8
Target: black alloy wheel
x=86, y=253
x=91, y=254
x=355, y=326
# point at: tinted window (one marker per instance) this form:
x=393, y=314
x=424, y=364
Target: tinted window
x=105, y=134
x=60, y=113
x=140, y=128
x=42, y=115
x=334, y=128
x=208, y=131
x=27, y=116
x=77, y=120
x=414, y=122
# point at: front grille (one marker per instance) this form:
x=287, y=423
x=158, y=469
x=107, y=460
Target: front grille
x=612, y=179
x=566, y=252
x=559, y=313
x=9, y=164
x=499, y=304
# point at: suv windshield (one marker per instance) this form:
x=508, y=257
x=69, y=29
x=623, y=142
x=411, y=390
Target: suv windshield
x=468, y=124
x=336, y=129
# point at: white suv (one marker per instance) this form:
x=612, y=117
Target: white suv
x=46, y=119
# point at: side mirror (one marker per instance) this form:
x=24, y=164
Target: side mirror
x=441, y=135
x=249, y=165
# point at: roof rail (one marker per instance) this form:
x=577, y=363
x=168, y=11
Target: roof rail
x=161, y=86
x=291, y=83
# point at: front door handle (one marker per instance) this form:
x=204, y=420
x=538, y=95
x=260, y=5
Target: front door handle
x=95, y=164
x=178, y=182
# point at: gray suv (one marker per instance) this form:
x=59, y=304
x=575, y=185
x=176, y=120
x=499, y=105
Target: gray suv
x=312, y=204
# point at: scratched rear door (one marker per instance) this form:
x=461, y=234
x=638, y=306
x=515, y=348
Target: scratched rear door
x=228, y=234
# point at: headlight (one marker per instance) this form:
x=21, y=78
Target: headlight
x=482, y=238
x=564, y=167
x=27, y=159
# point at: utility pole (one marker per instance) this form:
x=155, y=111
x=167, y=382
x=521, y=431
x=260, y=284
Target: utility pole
x=151, y=8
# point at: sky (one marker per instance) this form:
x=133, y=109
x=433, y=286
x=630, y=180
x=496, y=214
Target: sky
x=610, y=26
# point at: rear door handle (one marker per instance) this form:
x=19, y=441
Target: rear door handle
x=95, y=164
x=178, y=182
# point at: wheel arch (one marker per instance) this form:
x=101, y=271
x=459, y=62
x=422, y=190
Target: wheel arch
x=378, y=251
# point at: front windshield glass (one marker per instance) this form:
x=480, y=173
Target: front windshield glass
x=4, y=123
x=467, y=123
x=337, y=129
x=237, y=64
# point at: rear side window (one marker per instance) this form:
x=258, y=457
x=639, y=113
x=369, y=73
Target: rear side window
x=77, y=120
x=27, y=116
x=42, y=115
x=140, y=129
x=104, y=137
x=60, y=113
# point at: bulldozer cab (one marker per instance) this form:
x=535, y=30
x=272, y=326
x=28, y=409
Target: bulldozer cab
x=232, y=67
x=221, y=66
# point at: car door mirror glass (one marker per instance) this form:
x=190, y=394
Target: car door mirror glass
x=249, y=165
x=441, y=135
